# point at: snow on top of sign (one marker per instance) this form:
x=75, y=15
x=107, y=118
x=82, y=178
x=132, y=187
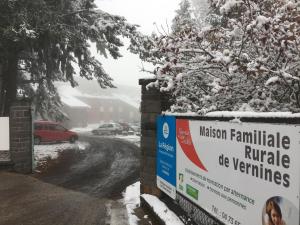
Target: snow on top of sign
x=167, y=113
x=165, y=214
x=253, y=114
x=238, y=114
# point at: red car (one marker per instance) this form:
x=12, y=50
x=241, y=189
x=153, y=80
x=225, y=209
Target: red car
x=47, y=131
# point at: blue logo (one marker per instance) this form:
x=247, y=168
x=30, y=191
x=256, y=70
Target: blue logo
x=166, y=130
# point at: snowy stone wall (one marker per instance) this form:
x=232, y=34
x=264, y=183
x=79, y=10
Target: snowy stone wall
x=21, y=136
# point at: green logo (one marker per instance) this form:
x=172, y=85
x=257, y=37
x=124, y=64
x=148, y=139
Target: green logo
x=192, y=191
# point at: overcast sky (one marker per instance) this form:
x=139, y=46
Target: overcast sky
x=145, y=13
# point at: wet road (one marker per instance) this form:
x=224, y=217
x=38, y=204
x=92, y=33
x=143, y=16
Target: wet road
x=102, y=170
x=80, y=187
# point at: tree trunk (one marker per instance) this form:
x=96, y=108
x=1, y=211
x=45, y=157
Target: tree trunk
x=10, y=81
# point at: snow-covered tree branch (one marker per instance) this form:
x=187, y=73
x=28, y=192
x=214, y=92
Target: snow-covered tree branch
x=246, y=57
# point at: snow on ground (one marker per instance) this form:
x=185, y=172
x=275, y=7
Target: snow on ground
x=88, y=128
x=160, y=209
x=51, y=151
x=132, y=201
x=131, y=138
x=135, y=139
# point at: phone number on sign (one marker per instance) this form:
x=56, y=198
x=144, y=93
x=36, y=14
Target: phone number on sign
x=224, y=216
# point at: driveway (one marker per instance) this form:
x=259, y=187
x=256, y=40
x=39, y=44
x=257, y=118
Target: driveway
x=77, y=188
x=28, y=201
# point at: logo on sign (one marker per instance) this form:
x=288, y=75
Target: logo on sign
x=166, y=130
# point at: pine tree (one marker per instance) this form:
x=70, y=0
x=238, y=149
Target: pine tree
x=41, y=41
x=200, y=10
x=183, y=19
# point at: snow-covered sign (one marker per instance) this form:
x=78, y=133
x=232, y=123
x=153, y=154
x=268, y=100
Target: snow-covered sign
x=4, y=133
x=241, y=173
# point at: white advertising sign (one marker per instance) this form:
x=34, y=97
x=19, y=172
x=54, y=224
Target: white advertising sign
x=241, y=173
x=4, y=133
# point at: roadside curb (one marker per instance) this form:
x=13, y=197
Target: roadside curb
x=170, y=206
x=149, y=210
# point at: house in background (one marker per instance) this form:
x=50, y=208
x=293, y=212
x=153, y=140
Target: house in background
x=76, y=110
x=106, y=109
x=84, y=107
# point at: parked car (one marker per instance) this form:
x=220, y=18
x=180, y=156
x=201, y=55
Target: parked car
x=108, y=129
x=47, y=131
x=125, y=126
x=136, y=128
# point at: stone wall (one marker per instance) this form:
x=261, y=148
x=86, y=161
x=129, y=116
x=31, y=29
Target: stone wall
x=152, y=104
x=21, y=136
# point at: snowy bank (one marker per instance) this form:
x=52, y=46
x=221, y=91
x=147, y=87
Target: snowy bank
x=51, y=151
x=161, y=210
x=132, y=201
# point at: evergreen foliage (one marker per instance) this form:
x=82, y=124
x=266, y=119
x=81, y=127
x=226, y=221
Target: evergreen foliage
x=183, y=18
x=42, y=41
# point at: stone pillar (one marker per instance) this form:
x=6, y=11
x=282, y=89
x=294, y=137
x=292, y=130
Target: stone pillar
x=21, y=148
x=152, y=104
